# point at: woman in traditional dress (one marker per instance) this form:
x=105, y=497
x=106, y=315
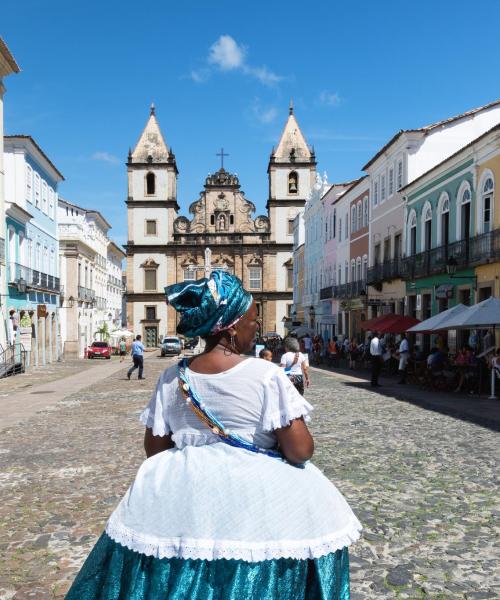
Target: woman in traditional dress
x=227, y=504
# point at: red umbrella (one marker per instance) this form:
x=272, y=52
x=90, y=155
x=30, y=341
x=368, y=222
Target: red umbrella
x=376, y=322
x=397, y=324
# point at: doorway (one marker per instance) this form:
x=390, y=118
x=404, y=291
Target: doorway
x=151, y=336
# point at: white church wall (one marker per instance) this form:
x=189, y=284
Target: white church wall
x=139, y=225
x=161, y=273
x=139, y=184
x=281, y=311
x=281, y=258
x=281, y=183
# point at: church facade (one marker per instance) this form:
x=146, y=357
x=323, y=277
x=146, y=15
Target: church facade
x=221, y=231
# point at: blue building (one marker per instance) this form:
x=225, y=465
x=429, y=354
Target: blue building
x=32, y=248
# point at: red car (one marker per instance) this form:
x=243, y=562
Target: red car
x=99, y=350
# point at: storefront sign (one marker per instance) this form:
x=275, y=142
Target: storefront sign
x=444, y=291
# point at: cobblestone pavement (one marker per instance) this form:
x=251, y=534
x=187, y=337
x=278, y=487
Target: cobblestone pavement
x=425, y=486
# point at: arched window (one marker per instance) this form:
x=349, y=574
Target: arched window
x=150, y=184
x=464, y=198
x=427, y=227
x=359, y=276
x=293, y=183
x=359, y=216
x=353, y=219
x=443, y=232
x=353, y=270
x=365, y=211
x=412, y=234
x=365, y=268
x=487, y=195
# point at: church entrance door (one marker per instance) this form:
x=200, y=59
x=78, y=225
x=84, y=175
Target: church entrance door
x=151, y=336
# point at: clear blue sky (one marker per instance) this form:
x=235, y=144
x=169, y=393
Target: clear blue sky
x=222, y=73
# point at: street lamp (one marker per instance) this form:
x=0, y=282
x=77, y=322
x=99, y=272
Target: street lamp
x=451, y=269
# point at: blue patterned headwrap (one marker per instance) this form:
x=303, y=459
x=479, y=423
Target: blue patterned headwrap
x=208, y=306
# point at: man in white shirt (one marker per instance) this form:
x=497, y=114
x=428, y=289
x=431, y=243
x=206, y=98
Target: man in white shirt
x=376, y=351
x=404, y=354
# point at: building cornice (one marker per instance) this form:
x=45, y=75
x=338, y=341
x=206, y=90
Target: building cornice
x=294, y=202
x=153, y=203
x=173, y=249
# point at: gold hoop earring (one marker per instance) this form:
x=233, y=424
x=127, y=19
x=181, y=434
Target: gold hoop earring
x=233, y=345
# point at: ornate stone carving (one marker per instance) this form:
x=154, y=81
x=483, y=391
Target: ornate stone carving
x=262, y=224
x=181, y=225
x=222, y=202
x=222, y=178
x=255, y=261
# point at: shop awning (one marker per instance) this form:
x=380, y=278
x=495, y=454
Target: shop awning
x=372, y=324
x=434, y=323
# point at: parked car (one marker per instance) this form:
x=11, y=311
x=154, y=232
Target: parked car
x=171, y=345
x=192, y=343
x=99, y=350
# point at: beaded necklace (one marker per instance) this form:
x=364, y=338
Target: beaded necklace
x=208, y=417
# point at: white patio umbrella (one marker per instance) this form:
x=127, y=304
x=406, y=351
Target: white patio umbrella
x=479, y=316
x=433, y=323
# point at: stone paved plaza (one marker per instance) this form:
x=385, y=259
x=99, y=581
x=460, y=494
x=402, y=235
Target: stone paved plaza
x=424, y=485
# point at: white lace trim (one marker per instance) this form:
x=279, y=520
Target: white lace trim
x=157, y=426
x=283, y=418
x=203, y=549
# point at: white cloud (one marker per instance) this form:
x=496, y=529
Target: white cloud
x=263, y=114
x=263, y=74
x=329, y=98
x=199, y=75
x=106, y=157
x=226, y=54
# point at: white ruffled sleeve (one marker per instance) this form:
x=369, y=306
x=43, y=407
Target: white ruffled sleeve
x=282, y=403
x=154, y=416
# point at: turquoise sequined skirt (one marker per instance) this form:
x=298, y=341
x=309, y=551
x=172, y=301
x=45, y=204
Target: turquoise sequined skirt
x=113, y=572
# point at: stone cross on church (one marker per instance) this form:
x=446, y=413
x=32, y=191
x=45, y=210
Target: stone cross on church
x=207, y=267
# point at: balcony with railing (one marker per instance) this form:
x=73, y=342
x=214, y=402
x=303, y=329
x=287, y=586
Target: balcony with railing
x=33, y=279
x=344, y=291
x=386, y=271
x=467, y=253
x=86, y=295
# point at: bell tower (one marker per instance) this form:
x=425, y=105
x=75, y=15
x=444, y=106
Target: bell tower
x=151, y=211
x=291, y=172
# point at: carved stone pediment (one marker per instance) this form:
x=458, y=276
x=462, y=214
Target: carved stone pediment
x=288, y=263
x=255, y=261
x=189, y=260
x=222, y=260
x=150, y=263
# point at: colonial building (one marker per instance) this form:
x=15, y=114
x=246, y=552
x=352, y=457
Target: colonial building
x=452, y=229
x=31, y=182
x=8, y=66
x=221, y=231
x=90, y=265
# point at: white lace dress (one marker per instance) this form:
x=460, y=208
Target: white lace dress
x=207, y=500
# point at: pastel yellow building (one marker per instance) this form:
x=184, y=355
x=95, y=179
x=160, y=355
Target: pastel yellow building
x=488, y=216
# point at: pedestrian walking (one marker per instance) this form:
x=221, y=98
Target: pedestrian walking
x=217, y=510
x=296, y=365
x=308, y=345
x=123, y=349
x=137, y=352
x=404, y=354
x=376, y=352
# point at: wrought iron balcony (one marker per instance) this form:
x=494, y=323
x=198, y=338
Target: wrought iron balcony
x=33, y=279
x=386, y=271
x=467, y=253
x=86, y=295
x=326, y=293
x=349, y=290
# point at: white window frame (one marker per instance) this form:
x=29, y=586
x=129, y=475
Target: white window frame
x=29, y=183
x=37, y=187
x=254, y=278
x=353, y=219
x=463, y=190
x=391, y=181
x=359, y=216
x=189, y=274
x=443, y=207
x=365, y=211
x=400, y=175
x=346, y=226
x=375, y=193
x=45, y=197
x=382, y=189
x=482, y=195
x=426, y=217
x=412, y=223
x=51, y=203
